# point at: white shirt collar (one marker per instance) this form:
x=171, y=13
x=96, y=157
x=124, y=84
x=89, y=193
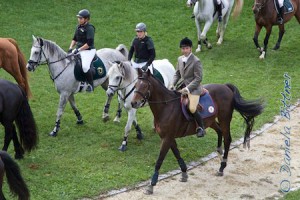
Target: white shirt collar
x=185, y=58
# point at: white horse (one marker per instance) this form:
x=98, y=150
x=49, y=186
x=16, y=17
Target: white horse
x=61, y=69
x=204, y=11
x=122, y=78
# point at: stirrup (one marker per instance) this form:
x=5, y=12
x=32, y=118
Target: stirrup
x=89, y=88
x=200, y=132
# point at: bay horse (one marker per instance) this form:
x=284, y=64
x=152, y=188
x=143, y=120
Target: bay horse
x=170, y=122
x=122, y=78
x=14, y=177
x=14, y=107
x=266, y=16
x=61, y=68
x=204, y=11
x=13, y=61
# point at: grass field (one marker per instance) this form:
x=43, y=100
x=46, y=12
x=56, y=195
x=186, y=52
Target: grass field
x=83, y=161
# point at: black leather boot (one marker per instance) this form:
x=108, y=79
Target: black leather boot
x=280, y=16
x=219, y=10
x=89, y=79
x=200, y=132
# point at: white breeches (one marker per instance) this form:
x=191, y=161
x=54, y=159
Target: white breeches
x=86, y=58
x=280, y=2
x=138, y=65
x=218, y=2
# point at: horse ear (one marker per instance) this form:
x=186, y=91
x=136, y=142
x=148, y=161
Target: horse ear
x=33, y=37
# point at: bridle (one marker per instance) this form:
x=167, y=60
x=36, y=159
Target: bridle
x=259, y=6
x=146, y=96
x=118, y=88
x=42, y=53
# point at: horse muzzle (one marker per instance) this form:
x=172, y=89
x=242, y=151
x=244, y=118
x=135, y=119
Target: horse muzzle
x=31, y=66
x=110, y=92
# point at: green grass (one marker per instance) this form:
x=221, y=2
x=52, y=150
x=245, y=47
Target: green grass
x=83, y=161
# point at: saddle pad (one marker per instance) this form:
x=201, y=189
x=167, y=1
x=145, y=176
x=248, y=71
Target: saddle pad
x=97, y=67
x=288, y=6
x=158, y=75
x=207, y=104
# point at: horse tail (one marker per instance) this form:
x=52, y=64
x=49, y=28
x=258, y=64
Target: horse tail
x=27, y=126
x=22, y=65
x=249, y=109
x=15, y=180
x=124, y=51
x=238, y=8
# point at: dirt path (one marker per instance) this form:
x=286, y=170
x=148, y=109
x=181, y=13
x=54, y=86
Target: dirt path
x=250, y=174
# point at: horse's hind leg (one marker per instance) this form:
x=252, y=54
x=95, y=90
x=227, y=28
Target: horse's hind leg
x=105, y=114
x=216, y=127
x=183, y=167
x=118, y=114
x=19, y=151
x=280, y=35
x=225, y=127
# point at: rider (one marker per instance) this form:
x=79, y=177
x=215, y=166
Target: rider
x=189, y=70
x=84, y=40
x=142, y=47
x=281, y=12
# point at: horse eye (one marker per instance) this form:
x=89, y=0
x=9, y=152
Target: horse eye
x=118, y=77
x=36, y=52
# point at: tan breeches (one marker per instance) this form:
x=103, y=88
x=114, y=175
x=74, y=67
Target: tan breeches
x=194, y=100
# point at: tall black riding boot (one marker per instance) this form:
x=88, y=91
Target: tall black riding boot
x=280, y=16
x=89, y=79
x=201, y=129
x=219, y=10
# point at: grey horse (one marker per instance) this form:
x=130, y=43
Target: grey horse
x=61, y=68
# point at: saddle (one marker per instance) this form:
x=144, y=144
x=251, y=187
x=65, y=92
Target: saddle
x=288, y=6
x=97, y=67
x=206, y=106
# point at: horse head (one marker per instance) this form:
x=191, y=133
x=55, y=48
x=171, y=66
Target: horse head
x=37, y=56
x=142, y=89
x=115, y=76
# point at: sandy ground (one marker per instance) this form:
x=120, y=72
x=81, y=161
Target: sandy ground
x=258, y=173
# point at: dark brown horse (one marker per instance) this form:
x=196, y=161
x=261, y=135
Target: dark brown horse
x=170, y=123
x=266, y=16
x=13, y=61
x=14, y=107
x=14, y=178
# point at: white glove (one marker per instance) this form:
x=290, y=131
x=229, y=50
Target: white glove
x=184, y=91
x=75, y=51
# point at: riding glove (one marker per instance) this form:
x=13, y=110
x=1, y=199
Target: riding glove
x=75, y=51
x=70, y=50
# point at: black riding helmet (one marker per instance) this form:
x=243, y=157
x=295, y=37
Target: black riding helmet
x=84, y=13
x=186, y=42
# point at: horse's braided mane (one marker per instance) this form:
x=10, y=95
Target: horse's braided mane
x=54, y=48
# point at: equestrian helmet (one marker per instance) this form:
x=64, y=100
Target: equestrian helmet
x=186, y=42
x=84, y=13
x=140, y=27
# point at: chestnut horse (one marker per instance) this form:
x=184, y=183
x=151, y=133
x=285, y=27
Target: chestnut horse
x=266, y=16
x=14, y=62
x=170, y=122
x=14, y=178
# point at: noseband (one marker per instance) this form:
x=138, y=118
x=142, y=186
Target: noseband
x=145, y=96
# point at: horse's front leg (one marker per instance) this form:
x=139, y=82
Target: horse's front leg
x=61, y=107
x=75, y=109
x=198, y=26
x=266, y=41
x=105, y=115
x=281, y=33
x=255, y=38
x=207, y=26
x=227, y=142
x=183, y=167
x=165, y=146
x=216, y=127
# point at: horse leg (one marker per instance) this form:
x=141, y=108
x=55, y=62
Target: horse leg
x=75, y=109
x=281, y=33
x=216, y=127
x=8, y=135
x=131, y=117
x=105, y=115
x=198, y=26
x=266, y=41
x=19, y=151
x=61, y=107
x=183, y=167
x=227, y=141
x=164, y=148
x=255, y=38
x=204, y=32
x=118, y=114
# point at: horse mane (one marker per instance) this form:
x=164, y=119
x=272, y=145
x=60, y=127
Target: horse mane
x=53, y=48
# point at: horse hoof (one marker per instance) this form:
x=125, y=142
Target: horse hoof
x=19, y=156
x=79, y=122
x=122, y=148
x=117, y=120
x=198, y=50
x=53, y=134
x=209, y=46
x=105, y=118
x=220, y=174
x=184, y=177
x=149, y=190
x=140, y=136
